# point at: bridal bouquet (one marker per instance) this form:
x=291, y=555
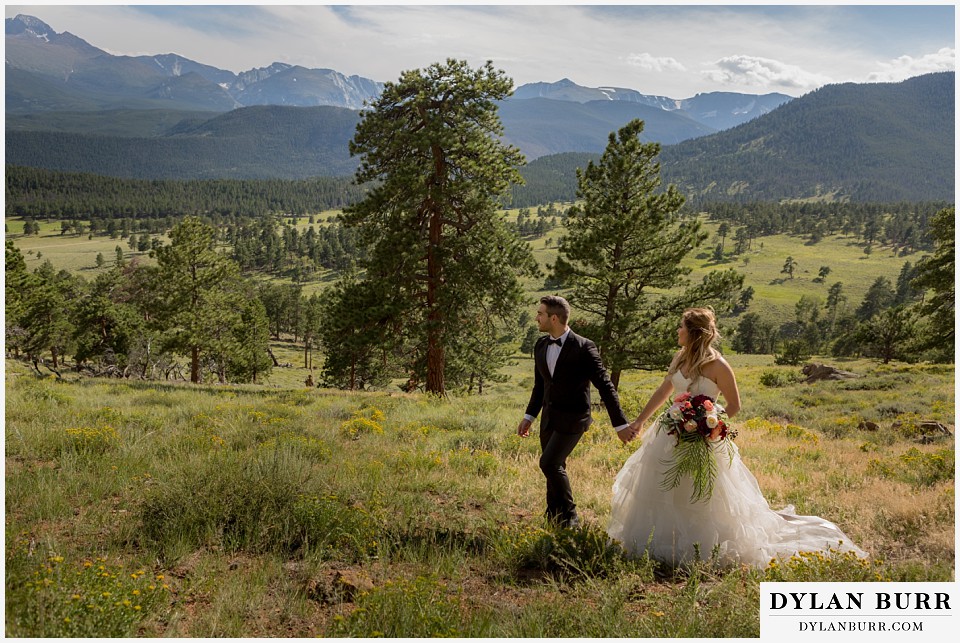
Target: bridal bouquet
x=697, y=422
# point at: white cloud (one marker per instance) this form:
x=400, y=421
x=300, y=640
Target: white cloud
x=595, y=46
x=652, y=63
x=762, y=72
x=907, y=66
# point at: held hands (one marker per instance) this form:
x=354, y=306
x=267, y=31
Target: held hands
x=630, y=432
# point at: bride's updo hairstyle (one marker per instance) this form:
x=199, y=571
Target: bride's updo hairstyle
x=701, y=325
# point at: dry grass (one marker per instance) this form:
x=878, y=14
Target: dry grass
x=445, y=497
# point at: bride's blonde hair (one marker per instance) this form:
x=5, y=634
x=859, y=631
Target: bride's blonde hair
x=701, y=325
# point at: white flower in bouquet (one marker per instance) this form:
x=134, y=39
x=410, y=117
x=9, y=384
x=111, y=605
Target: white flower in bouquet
x=690, y=425
x=712, y=421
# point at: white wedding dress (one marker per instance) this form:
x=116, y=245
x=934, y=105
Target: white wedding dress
x=736, y=519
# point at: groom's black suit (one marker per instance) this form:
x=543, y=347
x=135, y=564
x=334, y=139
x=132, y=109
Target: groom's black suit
x=564, y=399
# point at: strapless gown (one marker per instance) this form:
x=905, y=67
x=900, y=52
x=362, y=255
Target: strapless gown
x=736, y=519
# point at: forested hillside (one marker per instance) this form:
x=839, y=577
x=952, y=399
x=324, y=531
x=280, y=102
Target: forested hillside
x=35, y=193
x=863, y=142
x=882, y=142
x=253, y=142
x=550, y=179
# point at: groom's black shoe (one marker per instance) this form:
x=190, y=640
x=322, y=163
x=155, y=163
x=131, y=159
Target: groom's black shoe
x=571, y=523
x=567, y=522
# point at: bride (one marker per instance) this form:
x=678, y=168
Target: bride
x=735, y=520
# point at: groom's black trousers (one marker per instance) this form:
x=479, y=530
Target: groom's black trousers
x=553, y=462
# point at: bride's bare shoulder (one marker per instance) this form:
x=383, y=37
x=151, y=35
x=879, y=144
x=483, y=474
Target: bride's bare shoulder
x=714, y=368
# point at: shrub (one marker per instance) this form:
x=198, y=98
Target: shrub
x=832, y=565
x=364, y=421
x=907, y=425
x=414, y=431
x=838, y=427
x=757, y=424
x=253, y=503
x=310, y=447
x=93, y=440
x=332, y=528
x=570, y=554
x=915, y=467
x=420, y=608
x=53, y=597
x=800, y=433
x=869, y=384
x=473, y=461
x=795, y=351
x=780, y=378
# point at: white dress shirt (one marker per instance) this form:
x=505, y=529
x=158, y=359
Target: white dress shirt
x=553, y=352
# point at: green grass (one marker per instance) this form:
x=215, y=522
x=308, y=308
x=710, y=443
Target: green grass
x=774, y=298
x=776, y=293
x=284, y=511
x=72, y=252
x=252, y=510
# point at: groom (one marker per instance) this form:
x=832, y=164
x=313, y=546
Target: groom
x=566, y=364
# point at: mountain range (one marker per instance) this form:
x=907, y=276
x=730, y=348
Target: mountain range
x=59, y=72
x=73, y=107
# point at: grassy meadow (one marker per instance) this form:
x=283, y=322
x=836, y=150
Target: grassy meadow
x=164, y=509
x=775, y=294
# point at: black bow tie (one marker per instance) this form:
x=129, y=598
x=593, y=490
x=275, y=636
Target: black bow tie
x=556, y=341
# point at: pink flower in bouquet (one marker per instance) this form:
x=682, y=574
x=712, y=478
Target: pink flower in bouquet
x=708, y=405
x=683, y=397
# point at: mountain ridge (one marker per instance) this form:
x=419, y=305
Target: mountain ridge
x=29, y=41
x=843, y=142
x=77, y=108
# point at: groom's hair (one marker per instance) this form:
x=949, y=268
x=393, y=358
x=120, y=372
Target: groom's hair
x=558, y=306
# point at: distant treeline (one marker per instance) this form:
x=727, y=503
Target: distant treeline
x=156, y=205
x=900, y=225
x=550, y=179
x=44, y=194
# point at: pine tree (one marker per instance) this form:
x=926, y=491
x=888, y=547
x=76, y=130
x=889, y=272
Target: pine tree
x=249, y=358
x=529, y=340
x=108, y=323
x=438, y=249
x=359, y=333
x=626, y=239
x=199, y=295
x=789, y=267
x=47, y=316
x=887, y=334
x=16, y=287
x=937, y=273
x=879, y=297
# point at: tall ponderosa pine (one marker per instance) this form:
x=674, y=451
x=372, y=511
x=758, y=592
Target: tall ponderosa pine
x=359, y=333
x=626, y=239
x=47, y=317
x=16, y=279
x=249, y=358
x=109, y=323
x=937, y=273
x=201, y=297
x=437, y=245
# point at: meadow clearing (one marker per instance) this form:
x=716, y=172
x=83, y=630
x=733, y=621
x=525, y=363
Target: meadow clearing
x=164, y=509
x=775, y=293
x=138, y=508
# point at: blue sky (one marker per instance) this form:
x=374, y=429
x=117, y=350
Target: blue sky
x=675, y=51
